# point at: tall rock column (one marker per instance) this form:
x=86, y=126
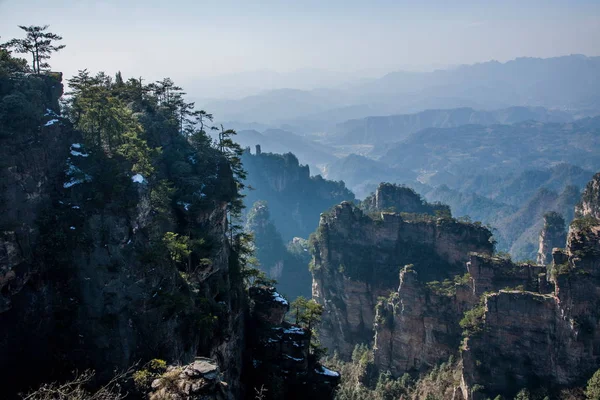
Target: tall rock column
x=552, y=235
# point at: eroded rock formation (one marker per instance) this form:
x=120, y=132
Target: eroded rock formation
x=84, y=281
x=532, y=339
x=357, y=260
x=553, y=235
x=280, y=358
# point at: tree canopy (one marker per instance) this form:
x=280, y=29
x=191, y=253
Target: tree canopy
x=38, y=43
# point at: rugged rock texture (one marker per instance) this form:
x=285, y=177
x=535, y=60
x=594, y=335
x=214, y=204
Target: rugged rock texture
x=524, y=342
x=552, y=235
x=357, y=259
x=279, y=353
x=590, y=200
x=531, y=339
x=417, y=327
x=200, y=380
x=391, y=197
x=493, y=273
x=31, y=167
x=84, y=281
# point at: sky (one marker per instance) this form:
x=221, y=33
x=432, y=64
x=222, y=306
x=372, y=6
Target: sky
x=199, y=39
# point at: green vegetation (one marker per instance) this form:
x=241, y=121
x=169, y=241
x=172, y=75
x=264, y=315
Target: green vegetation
x=287, y=264
x=362, y=381
x=448, y=287
x=294, y=197
x=307, y=313
x=585, y=223
x=38, y=44
x=396, y=198
x=592, y=391
x=152, y=370
x=472, y=321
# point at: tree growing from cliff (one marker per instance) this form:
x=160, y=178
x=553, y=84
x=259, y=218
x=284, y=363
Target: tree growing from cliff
x=592, y=391
x=307, y=312
x=38, y=43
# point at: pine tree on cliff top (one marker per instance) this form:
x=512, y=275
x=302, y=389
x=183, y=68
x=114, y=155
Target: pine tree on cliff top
x=38, y=43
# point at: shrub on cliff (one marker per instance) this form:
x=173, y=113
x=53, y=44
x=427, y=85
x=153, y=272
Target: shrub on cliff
x=592, y=391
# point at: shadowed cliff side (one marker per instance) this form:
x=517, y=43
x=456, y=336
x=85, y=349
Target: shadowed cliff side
x=93, y=272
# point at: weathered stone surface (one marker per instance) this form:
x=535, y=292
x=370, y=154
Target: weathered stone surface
x=268, y=306
x=278, y=353
x=417, y=327
x=590, y=200
x=396, y=198
x=358, y=259
x=553, y=235
x=79, y=285
x=518, y=345
x=532, y=339
x=200, y=380
x=494, y=273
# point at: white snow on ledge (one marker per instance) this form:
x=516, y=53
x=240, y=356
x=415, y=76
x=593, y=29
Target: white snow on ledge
x=137, y=178
x=78, y=154
x=327, y=371
x=278, y=298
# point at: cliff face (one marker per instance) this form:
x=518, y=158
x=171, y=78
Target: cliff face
x=552, y=235
x=279, y=358
x=84, y=279
x=357, y=259
x=417, y=326
x=295, y=198
x=533, y=339
x=590, y=200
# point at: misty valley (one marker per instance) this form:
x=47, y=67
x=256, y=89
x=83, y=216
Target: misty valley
x=403, y=235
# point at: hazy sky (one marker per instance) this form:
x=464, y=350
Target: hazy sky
x=185, y=39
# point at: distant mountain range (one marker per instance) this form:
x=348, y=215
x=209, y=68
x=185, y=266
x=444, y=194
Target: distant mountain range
x=568, y=83
x=444, y=153
x=394, y=128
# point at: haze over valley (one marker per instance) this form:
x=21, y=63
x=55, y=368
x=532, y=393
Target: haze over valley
x=393, y=200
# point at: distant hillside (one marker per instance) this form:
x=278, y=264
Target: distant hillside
x=570, y=83
x=514, y=204
x=393, y=128
x=518, y=187
x=363, y=174
x=498, y=149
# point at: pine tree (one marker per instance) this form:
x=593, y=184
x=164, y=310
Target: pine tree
x=37, y=43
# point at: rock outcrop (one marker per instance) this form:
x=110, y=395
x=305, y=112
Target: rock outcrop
x=536, y=338
x=553, y=235
x=357, y=260
x=280, y=360
x=200, y=380
x=86, y=280
x=397, y=198
x=512, y=325
x=417, y=326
